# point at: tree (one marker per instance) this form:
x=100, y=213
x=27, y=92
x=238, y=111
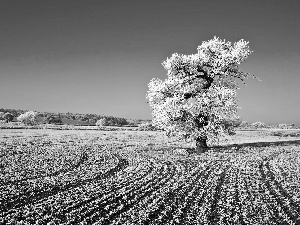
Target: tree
x=200, y=92
x=258, y=125
x=92, y=120
x=51, y=119
x=244, y=124
x=1, y=115
x=84, y=119
x=28, y=118
x=102, y=122
x=8, y=117
x=232, y=123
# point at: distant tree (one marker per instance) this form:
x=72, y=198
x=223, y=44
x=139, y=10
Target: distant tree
x=231, y=123
x=51, y=119
x=92, y=120
x=244, y=124
x=8, y=117
x=286, y=126
x=102, y=122
x=28, y=118
x=258, y=125
x=291, y=126
x=1, y=115
x=48, y=118
x=200, y=91
x=68, y=115
x=84, y=119
x=122, y=122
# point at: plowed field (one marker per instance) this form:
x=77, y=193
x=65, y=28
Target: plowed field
x=71, y=177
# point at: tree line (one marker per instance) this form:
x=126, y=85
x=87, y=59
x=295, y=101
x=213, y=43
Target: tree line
x=9, y=115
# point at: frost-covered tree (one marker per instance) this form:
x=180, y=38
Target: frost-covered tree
x=102, y=122
x=28, y=118
x=199, y=95
x=244, y=124
x=258, y=125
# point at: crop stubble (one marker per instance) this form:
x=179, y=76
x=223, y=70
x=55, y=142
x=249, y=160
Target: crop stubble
x=89, y=178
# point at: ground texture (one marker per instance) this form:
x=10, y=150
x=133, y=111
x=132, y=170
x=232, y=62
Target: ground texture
x=72, y=177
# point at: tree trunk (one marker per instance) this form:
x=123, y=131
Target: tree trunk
x=201, y=145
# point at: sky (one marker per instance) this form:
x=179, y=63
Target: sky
x=98, y=56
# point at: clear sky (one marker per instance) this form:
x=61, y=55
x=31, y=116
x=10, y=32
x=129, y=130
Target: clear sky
x=97, y=56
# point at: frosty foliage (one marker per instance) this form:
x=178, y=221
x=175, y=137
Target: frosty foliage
x=102, y=122
x=28, y=118
x=244, y=124
x=258, y=125
x=199, y=94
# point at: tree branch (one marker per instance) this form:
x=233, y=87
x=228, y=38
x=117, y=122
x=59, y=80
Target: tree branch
x=201, y=120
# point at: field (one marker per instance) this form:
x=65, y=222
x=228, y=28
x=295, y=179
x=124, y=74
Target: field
x=131, y=177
